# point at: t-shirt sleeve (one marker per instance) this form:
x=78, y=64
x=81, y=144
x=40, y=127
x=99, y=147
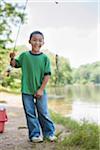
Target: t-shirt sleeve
x=18, y=60
x=47, y=67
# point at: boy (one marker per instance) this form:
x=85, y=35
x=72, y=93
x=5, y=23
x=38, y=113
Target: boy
x=35, y=74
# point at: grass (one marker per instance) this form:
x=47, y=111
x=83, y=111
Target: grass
x=83, y=136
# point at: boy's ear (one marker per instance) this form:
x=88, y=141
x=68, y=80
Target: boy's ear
x=30, y=41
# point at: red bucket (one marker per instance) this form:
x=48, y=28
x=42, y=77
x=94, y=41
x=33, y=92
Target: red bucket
x=3, y=119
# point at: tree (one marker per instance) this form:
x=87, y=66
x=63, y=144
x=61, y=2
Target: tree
x=61, y=71
x=10, y=15
x=65, y=71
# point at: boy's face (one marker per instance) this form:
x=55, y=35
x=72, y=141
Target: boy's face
x=36, y=41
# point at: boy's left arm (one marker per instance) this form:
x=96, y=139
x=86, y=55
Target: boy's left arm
x=39, y=93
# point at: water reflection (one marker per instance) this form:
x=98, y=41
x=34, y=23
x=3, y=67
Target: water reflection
x=85, y=111
x=60, y=106
x=79, y=102
x=87, y=93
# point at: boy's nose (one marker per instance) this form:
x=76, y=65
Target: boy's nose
x=37, y=42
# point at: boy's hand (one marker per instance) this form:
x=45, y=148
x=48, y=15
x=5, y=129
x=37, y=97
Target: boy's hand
x=39, y=94
x=12, y=55
x=12, y=61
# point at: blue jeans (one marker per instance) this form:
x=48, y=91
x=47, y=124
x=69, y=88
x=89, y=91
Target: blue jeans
x=37, y=116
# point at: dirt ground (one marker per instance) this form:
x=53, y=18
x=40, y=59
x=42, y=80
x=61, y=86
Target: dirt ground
x=15, y=136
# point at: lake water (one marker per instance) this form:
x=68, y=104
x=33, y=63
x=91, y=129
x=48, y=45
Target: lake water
x=78, y=102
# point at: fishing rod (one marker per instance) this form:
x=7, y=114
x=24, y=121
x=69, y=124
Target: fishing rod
x=12, y=55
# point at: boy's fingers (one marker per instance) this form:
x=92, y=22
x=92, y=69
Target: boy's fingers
x=12, y=55
x=37, y=96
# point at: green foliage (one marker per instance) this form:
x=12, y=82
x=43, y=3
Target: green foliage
x=82, y=135
x=3, y=59
x=89, y=73
x=85, y=136
x=11, y=82
x=10, y=15
x=61, y=74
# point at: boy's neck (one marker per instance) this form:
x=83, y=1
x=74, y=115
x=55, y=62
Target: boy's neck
x=35, y=52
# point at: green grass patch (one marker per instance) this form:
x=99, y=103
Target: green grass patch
x=83, y=135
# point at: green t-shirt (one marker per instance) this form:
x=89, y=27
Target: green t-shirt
x=34, y=68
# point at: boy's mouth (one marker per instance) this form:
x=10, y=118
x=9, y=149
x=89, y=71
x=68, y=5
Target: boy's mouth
x=36, y=48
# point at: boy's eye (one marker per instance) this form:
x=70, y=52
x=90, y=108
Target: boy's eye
x=35, y=41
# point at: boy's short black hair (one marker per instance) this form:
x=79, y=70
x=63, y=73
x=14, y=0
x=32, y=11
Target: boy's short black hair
x=36, y=32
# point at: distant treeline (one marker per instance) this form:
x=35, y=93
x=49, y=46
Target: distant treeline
x=89, y=73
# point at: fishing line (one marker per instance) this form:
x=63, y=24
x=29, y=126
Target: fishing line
x=14, y=48
x=19, y=26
